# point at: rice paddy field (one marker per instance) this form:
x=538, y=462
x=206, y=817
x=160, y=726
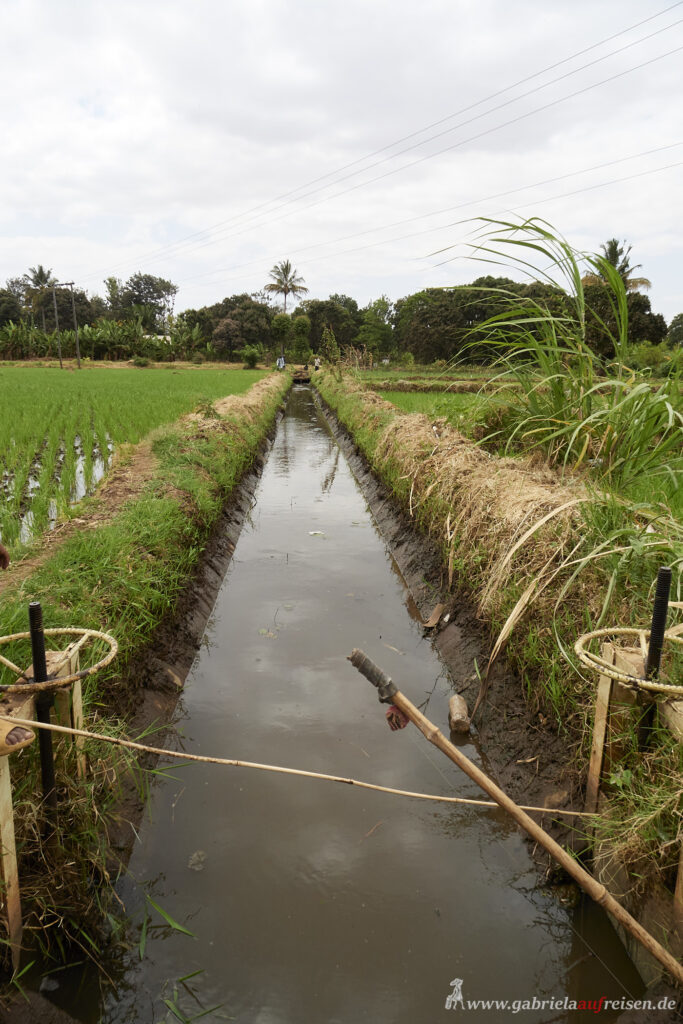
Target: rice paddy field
x=463, y=410
x=60, y=429
x=446, y=373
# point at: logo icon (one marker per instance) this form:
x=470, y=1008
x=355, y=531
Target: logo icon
x=455, y=997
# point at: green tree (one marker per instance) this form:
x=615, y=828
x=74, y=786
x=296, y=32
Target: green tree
x=601, y=323
x=281, y=330
x=328, y=346
x=675, y=333
x=324, y=312
x=38, y=280
x=285, y=281
x=84, y=310
x=114, y=288
x=376, y=333
x=17, y=286
x=147, y=296
x=301, y=329
x=10, y=308
x=432, y=324
x=618, y=256
x=226, y=337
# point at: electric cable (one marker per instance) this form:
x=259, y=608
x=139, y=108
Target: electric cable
x=181, y=242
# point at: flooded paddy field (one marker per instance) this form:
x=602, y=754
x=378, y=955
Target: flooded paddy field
x=60, y=432
x=306, y=901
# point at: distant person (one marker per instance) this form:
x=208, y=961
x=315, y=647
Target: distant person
x=280, y=362
x=317, y=362
x=12, y=737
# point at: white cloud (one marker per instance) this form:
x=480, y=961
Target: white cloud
x=128, y=127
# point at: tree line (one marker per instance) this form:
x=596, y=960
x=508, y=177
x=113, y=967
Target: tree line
x=136, y=318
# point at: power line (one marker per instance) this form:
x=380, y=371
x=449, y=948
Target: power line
x=462, y=142
x=181, y=242
x=435, y=213
x=565, y=195
x=485, y=113
x=485, y=99
x=538, y=202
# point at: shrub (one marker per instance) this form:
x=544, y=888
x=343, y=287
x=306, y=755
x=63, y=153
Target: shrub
x=198, y=358
x=141, y=361
x=659, y=358
x=251, y=356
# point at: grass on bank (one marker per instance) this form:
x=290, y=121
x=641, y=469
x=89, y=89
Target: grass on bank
x=124, y=578
x=575, y=407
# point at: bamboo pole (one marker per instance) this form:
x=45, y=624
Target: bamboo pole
x=599, y=733
x=597, y=891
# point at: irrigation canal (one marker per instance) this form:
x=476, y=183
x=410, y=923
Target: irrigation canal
x=310, y=902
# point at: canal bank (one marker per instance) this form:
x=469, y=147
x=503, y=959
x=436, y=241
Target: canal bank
x=310, y=902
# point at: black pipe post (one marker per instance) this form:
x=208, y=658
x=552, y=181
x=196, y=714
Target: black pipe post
x=44, y=702
x=59, y=337
x=658, y=627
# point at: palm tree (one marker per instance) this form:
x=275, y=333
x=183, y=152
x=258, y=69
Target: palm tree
x=285, y=281
x=37, y=280
x=618, y=256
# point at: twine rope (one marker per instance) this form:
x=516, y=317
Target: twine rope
x=598, y=664
x=235, y=763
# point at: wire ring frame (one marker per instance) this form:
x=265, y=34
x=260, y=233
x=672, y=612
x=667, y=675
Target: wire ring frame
x=598, y=664
x=56, y=684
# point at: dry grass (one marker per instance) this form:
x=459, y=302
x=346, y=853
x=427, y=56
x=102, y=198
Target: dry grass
x=249, y=405
x=508, y=512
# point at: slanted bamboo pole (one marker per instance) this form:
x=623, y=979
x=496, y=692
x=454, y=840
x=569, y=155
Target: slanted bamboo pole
x=597, y=891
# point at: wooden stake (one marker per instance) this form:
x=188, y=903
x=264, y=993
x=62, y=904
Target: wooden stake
x=8, y=863
x=69, y=701
x=599, y=731
x=678, y=899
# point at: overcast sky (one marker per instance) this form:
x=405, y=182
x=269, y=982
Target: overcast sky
x=204, y=140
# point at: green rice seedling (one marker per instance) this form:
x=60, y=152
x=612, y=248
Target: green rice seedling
x=466, y=410
x=101, y=406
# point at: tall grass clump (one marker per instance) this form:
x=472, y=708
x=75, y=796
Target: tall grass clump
x=573, y=405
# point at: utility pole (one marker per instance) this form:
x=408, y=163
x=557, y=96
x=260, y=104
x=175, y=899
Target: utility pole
x=70, y=284
x=59, y=337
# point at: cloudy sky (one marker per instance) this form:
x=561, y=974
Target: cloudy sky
x=204, y=140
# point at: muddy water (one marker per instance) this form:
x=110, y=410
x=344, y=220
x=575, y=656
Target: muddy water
x=310, y=902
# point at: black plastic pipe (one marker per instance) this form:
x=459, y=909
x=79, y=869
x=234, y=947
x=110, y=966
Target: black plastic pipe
x=44, y=702
x=658, y=628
